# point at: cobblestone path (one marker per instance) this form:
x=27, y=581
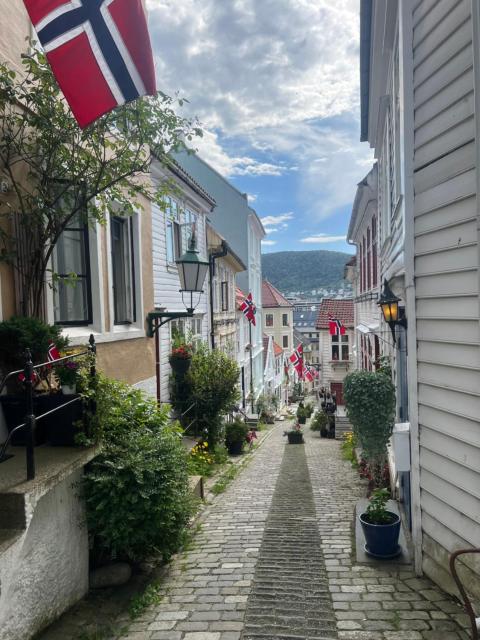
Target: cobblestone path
x=290, y=596
x=273, y=560
x=371, y=602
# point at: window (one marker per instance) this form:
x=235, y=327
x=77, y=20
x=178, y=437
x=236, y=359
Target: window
x=340, y=348
x=364, y=265
x=189, y=224
x=361, y=266
x=172, y=231
x=374, y=253
x=285, y=319
x=225, y=305
x=369, y=259
x=72, y=296
x=285, y=342
x=123, y=270
x=269, y=320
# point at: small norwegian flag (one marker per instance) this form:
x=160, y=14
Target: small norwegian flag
x=297, y=360
x=336, y=327
x=249, y=309
x=53, y=353
x=99, y=51
x=308, y=374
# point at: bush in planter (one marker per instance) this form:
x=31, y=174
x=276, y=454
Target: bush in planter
x=18, y=334
x=320, y=423
x=136, y=490
x=302, y=414
x=309, y=409
x=295, y=434
x=235, y=436
x=370, y=403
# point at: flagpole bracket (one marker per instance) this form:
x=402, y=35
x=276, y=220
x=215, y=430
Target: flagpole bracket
x=156, y=319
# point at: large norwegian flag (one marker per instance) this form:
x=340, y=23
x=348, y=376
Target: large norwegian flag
x=297, y=360
x=249, y=309
x=99, y=51
x=336, y=327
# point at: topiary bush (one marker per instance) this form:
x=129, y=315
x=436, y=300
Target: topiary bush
x=137, y=495
x=370, y=404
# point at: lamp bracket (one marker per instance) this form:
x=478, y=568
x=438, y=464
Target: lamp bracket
x=164, y=317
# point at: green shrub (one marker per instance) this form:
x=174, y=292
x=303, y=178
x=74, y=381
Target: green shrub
x=235, y=432
x=136, y=491
x=370, y=403
x=319, y=422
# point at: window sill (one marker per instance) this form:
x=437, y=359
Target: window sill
x=80, y=335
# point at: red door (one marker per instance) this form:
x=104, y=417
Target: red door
x=337, y=389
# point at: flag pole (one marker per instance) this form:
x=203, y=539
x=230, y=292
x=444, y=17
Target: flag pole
x=251, y=365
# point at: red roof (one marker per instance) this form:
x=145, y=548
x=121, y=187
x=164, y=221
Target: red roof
x=278, y=349
x=340, y=309
x=271, y=297
x=240, y=297
x=266, y=340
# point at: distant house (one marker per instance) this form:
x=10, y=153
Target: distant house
x=274, y=362
x=335, y=350
x=277, y=316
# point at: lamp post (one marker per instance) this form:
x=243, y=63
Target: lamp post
x=392, y=313
x=192, y=271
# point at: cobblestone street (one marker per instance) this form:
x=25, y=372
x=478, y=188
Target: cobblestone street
x=273, y=560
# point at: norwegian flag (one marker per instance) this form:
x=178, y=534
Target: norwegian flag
x=297, y=360
x=308, y=374
x=336, y=327
x=53, y=353
x=249, y=309
x=99, y=51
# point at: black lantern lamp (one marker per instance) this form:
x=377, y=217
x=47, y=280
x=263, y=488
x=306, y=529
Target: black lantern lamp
x=192, y=272
x=392, y=313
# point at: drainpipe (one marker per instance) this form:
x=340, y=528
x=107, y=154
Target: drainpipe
x=211, y=268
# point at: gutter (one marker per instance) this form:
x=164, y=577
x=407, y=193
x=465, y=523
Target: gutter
x=366, y=10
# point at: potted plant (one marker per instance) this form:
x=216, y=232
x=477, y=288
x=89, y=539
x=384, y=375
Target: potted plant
x=236, y=436
x=309, y=409
x=301, y=414
x=320, y=423
x=181, y=358
x=66, y=373
x=380, y=527
x=295, y=434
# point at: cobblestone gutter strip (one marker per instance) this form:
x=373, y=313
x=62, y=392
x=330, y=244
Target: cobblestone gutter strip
x=290, y=597
x=380, y=602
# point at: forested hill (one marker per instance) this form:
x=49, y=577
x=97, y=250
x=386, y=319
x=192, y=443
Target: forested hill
x=304, y=270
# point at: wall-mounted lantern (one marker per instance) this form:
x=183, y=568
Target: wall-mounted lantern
x=393, y=314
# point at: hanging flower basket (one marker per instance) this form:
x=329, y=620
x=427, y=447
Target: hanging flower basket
x=180, y=366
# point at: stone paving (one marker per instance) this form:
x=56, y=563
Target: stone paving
x=266, y=552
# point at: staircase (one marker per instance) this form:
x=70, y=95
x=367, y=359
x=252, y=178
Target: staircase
x=342, y=426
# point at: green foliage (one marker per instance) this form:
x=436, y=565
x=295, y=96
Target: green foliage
x=235, y=432
x=200, y=461
x=385, y=366
x=348, y=445
x=139, y=603
x=220, y=454
x=266, y=408
x=319, y=422
x=212, y=385
x=370, y=403
x=309, y=409
x=304, y=270
x=137, y=494
x=376, y=512
x=226, y=479
x=61, y=173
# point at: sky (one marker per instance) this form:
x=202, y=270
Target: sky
x=275, y=86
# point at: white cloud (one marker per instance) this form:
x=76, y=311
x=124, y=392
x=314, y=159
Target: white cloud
x=252, y=197
x=269, y=243
x=269, y=221
x=323, y=239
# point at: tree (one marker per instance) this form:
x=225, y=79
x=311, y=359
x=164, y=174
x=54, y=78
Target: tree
x=60, y=174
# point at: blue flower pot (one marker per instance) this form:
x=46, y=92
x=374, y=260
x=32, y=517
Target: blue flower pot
x=381, y=540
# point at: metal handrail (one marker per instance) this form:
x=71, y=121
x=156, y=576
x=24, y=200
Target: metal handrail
x=31, y=418
x=474, y=621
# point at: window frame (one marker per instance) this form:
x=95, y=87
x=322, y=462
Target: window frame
x=285, y=320
x=269, y=316
x=225, y=299
x=127, y=226
x=285, y=339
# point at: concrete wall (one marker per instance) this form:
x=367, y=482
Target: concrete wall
x=45, y=571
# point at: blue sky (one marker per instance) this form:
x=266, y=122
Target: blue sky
x=275, y=84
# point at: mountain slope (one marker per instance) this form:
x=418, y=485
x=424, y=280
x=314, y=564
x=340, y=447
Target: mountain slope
x=304, y=270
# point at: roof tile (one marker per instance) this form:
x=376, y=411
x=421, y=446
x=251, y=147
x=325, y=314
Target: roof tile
x=340, y=309
x=271, y=297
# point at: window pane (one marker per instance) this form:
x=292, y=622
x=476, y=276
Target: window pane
x=335, y=351
x=345, y=338
x=71, y=302
x=335, y=338
x=70, y=253
x=285, y=320
x=269, y=320
x=122, y=270
x=285, y=342
x=170, y=243
x=345, y=354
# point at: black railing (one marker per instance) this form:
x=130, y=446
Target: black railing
x=30, y=418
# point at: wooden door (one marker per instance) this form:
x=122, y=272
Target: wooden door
x=337, y=389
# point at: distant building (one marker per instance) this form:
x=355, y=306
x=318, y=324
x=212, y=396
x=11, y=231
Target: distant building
x=335, y=351
x=277, y=316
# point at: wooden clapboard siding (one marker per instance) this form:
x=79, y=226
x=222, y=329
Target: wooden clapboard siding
x=447, y=282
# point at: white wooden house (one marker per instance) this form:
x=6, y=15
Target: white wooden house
x=420, y=62
x=187, y=205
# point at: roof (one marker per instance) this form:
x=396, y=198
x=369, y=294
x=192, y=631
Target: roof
x=277, y=349
x=339, y=309
x=305, y=318
x=365, y=46
x=179, y=171
x=271, y=297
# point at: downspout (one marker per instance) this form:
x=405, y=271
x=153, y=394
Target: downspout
x=211, y=270
x=407, y=134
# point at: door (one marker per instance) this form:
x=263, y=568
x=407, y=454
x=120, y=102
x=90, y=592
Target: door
x=337, y=389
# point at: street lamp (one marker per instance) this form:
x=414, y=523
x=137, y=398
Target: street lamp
x=392, y=313
x=191, y=272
